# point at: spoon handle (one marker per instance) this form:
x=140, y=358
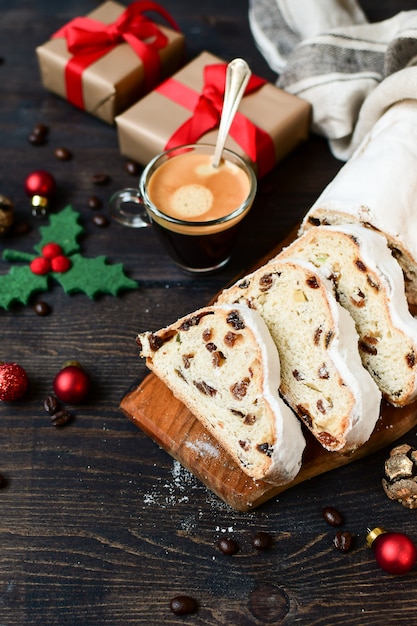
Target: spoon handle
x=237, y=77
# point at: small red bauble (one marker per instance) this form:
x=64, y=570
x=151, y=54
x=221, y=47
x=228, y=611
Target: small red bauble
x=51, y=250
x=395, y=553
x=40, y=266
x=71, y=384
x=13, y=381
x=40, y=187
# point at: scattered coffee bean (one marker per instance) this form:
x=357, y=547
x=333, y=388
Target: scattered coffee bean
x=100, y=220
x=51, y=405
x=41, y=130
x=61, y=417
x=261, y=541
x=132, y=168
x=36, y=140
x=332, y=516
x=343, y=540
x=2, y=481
x=183, y=605
x=228, y=546
x=94, y=203
x=1, y=60
x=42, y=308
x=63, y=154
x=100, y=179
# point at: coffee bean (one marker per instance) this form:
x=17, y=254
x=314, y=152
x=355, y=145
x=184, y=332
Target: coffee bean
x=343, y=540
x=36, y=140
x=41, y=130
x=63, y=154
x=94, y=203
x=183, y=605
x=61, y=417
x=51, y=405
x=228, y=546
x=132, y=168
x=332, y=516
x=261, y=541
x=42, y=308
x=101, y=221
x=100, y=179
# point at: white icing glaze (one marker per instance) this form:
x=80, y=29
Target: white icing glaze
x=379, y=183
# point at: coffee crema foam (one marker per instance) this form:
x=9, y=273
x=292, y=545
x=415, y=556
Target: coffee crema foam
x=187, y=187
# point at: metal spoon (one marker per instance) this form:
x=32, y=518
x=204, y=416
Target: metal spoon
x=237, y=77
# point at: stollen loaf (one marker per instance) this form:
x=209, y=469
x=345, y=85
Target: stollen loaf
x=369, y=283
x=377, y=187
x=322, y=376
x=222, y=363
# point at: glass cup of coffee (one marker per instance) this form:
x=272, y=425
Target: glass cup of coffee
x=195, y=208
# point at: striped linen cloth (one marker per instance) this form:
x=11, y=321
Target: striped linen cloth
x=350, y=70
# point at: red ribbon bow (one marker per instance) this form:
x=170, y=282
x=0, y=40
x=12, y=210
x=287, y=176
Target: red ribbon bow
x=207, y=108
x=88, y=40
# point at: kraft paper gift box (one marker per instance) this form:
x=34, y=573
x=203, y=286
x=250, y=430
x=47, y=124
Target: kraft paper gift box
x=269, y=123
x=118, y=54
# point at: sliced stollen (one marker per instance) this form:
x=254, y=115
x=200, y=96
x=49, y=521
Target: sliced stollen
x=322, y=377
x=222, y=363
x=369, y=283
x=377, y=187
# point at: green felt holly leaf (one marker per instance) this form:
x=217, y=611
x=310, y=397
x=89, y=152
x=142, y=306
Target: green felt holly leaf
x=94, y=276
x=19, y=284
x=90, y=276
x=64, y=229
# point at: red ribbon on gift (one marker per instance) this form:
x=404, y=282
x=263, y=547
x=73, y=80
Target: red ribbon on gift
x=88, y=40
x=207, y=108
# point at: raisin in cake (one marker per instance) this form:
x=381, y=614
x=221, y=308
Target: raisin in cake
x=221, y=362
x=377, y=187
x=369, y=283
x=322, y=377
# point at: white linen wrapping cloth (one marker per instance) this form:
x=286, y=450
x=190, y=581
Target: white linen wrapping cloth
x=350, y=70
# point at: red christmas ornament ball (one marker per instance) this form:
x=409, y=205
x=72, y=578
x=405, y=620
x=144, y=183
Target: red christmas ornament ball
x=40, y=183
x=60, y=263
x=71, y=384
x=13, y=381
x=394, y=552
x=40, y=266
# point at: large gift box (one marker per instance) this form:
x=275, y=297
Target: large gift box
x=186, y=109
x=105, y=62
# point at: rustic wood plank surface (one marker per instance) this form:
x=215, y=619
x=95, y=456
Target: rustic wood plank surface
x=99, y=526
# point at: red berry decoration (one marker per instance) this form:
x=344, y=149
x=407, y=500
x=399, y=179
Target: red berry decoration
x=13, y=381
x=71, y=384
x=395, y=553
x=60, y=263
x=51, y=250
x=40, y=266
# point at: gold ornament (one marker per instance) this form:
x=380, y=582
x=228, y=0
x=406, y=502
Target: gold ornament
x=6, y=214
x=400, y=482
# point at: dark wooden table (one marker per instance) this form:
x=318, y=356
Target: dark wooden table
x=98, y=525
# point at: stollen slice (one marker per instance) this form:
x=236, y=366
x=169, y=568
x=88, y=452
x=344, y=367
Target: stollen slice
x=369, y=283
x=322, y=376
x=222, y=363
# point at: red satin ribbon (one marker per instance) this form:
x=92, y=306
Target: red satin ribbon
x=207, y=107
x=88, y=40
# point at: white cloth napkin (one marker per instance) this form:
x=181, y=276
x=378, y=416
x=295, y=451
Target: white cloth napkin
x=350, y=70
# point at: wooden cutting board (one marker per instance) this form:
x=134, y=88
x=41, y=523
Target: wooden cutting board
x=152, y=407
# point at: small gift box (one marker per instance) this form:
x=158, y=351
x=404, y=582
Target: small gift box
x=105, y=62
x=186, y=109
